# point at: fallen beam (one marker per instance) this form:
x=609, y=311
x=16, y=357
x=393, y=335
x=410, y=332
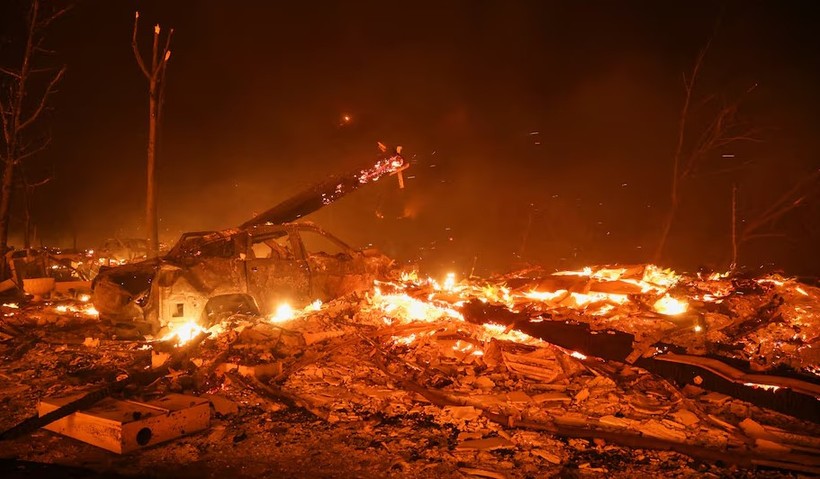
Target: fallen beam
x=790, y=396
x=328, y=191
x=88, y=399
x=594, y=430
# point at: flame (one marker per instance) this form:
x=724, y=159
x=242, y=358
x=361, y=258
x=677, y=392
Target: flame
x=653, y=279
x=449, y=282
x=718, y=276
x=670, y=306
x=402, y=306
x=665, y=278
x=84, y=298
x=409, y=276
x=497, y=294
x=283, y=313
x=183, y=331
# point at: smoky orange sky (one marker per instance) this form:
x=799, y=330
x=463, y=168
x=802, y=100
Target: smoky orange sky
x=538, y=131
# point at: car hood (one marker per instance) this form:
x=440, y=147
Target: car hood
x=134, y=278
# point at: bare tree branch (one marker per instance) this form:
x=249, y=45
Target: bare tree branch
x=689, y=85
x=136, y=49
x=45, y=22
x=788, y=201
x=29, y=152
x=764, y=235
x=166, y=51
x=49, y=90
x=10, y=73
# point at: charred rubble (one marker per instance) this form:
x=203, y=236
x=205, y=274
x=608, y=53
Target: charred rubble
x=460, y=378
x=371, y=370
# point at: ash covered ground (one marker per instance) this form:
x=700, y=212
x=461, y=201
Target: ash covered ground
x=521, y=375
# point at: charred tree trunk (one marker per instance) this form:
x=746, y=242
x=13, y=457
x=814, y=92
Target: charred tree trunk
x=18, y=112
x=156, y=82
x=330, y=190
x=733, y=264
x=677, y=174
x=696, y=142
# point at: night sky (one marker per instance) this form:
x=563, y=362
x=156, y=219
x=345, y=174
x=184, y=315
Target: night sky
x=538, y=131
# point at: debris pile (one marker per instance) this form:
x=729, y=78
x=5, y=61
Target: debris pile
x=512, y=376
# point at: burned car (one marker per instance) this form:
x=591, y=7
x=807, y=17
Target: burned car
x=251, y=270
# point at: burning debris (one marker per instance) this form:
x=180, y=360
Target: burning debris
x=251, y=269
x=530, y=373
x=629, y=368
x=210, y=273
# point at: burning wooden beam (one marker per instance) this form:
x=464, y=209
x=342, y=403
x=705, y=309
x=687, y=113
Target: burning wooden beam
x=332, y=189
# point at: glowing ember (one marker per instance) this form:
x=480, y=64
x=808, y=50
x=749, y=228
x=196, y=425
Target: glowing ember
x=670, y=306
x=609, y=274
x=545, y=295
x=801, y=290
x=463, y=346
x=283, y=313
x=84, y=298
x=587, y=271
x=87, y=309
x=577, y=355
x=11, y=305
x=404, y=340
x=183, y=332
x=582, y=299
x=497, y=331
x=381, y=168
x=698, y=328
x=765, y=387
x=718, y=276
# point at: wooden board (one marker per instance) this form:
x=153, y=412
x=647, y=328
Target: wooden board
x=124, y=426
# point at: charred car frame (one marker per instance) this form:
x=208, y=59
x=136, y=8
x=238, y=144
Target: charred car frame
x=250, y=270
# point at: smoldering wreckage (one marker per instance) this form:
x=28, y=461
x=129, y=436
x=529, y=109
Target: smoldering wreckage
x=248, y=352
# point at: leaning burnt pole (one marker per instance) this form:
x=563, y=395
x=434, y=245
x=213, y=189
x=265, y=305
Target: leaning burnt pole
x=331, y=189
x=156, y=89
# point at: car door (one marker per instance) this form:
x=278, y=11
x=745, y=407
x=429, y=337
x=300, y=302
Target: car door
x=335, y=268
x=276, y=269
x=205, y=265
